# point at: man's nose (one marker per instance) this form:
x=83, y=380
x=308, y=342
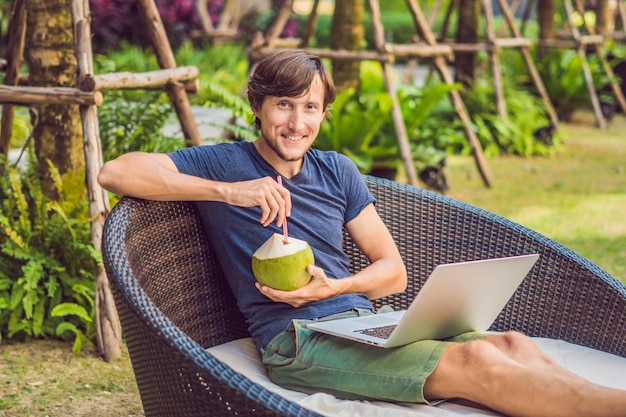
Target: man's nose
x=296, y=121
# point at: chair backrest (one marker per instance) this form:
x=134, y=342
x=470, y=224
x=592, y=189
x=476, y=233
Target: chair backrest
x=163, y=247
x=166, y=251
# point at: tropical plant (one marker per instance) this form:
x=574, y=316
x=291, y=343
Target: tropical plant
x=225, y=65
x=22, y=128
x=430, y=137
x=515, y=134
x=47, y=261
x=562, y=73
x=237, y=127
x=127, y=126
x=354, y=120
x=360, y=123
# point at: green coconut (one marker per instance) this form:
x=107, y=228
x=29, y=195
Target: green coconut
x=281, y=265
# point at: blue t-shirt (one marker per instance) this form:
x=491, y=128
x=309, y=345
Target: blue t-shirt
x=326, y=194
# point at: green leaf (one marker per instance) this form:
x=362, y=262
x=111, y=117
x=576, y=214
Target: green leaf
x=38, y=318
x=33, y=273
x=71, y=309
x=16, y=295
x=66, y=327
x=78, y=342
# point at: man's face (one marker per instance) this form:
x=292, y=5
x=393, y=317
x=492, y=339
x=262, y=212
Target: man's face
x=289, y=125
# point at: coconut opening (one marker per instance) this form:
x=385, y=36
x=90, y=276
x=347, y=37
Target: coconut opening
x=274, y=247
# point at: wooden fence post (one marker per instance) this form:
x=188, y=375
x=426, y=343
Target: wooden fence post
x=108, y=331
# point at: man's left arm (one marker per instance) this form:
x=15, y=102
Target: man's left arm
x=385, y=275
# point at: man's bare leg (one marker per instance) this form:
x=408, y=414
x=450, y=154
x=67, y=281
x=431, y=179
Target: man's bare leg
x=508, y=374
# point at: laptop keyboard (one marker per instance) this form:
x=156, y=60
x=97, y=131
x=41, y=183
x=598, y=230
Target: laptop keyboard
x=382, y=332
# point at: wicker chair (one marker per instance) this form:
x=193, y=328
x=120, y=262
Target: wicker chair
x=173, y=301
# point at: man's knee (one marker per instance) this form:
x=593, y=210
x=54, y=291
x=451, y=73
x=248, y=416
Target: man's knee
x=510, y=340
x=476, y=365
x=493, y=350
x=512, y=343
x=466, y=370
x=520, y=348
x=492, y=353
x=480, y=353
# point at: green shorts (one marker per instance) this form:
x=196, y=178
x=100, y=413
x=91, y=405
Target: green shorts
x=309, y=361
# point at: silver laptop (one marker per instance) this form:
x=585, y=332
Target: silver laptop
x=456, y=298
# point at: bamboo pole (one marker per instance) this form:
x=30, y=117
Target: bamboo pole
x=15, y=51
x=20, y=95
x=528, y=9
x=108, y=331
x=494, y=59
x=205, y=18
x=432, y=13
x=279, y=23
x=396, y=112
x=229, y=15
x=147, y=80
x=595, y=102
x=391, y=52
x=262, y=52
x=617, y=91
x=513, y=8
x=165, y=57
x=530, y=64
x=151, y=80
x=440, y=63
x=621, y=10
x=309, y=28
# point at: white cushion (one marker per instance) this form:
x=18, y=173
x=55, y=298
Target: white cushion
x=596, y=366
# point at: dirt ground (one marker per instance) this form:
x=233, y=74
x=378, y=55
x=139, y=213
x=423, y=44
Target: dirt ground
x=44, y=378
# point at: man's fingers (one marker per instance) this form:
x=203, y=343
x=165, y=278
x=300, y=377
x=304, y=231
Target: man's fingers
x=273, y=199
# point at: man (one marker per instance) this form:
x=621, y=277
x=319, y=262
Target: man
x=242, y=204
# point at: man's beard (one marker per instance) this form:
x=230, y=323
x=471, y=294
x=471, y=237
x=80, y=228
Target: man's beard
x=278, y=151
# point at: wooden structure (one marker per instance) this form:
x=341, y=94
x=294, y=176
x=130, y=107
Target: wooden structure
x=177, y=81
x=582, y=42
x=597, y=43
x=385, y=53
x=495, y=42
x=228, y=23
x=621, y=13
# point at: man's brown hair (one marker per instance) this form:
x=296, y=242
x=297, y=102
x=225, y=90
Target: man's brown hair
x=288, y=73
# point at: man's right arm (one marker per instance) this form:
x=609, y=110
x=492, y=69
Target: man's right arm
x=155, y=177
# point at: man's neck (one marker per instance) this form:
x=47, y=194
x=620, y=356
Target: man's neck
x=287, y=169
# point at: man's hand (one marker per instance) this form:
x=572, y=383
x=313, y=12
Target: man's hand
x=267, y=193
x=320, y=287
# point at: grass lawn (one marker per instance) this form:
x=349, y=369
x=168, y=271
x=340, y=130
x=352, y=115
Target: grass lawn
x=577, y=196
x=44, y=378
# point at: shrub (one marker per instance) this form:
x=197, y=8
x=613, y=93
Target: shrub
x=115, y=21
x=361, y=125
x=226, y=65
x=47, y=263
x=127, y=126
